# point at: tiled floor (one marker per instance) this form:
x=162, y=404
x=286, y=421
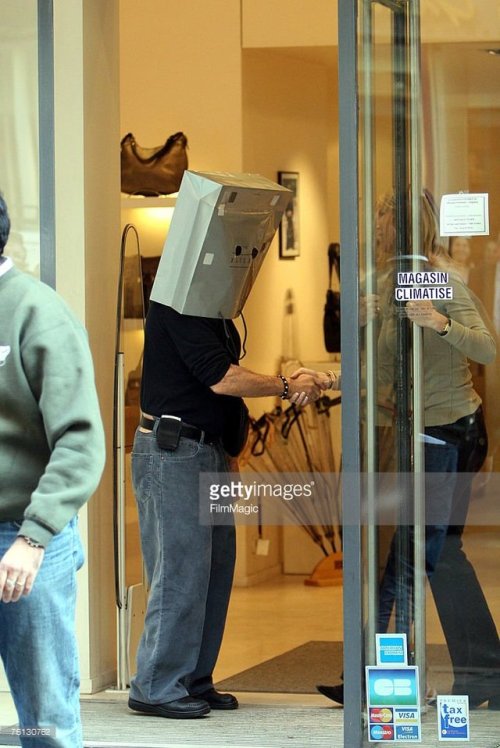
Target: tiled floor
x=276, y=616
x=273, y=617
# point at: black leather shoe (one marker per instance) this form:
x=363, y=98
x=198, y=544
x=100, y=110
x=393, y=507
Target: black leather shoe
x=185, y=708
x=494, y=703
x=485, y=691
x=335, y=693
x=217, y=700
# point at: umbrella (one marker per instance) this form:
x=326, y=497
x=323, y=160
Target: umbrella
x=298, y=440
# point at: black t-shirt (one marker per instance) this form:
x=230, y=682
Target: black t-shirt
x=183, y=357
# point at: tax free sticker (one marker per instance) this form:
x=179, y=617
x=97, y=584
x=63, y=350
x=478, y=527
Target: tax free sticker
x=453, y=718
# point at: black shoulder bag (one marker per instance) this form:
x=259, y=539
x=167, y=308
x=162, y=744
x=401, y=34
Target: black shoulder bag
x=331, y=316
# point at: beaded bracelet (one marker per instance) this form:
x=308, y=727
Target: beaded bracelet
x=284, y=394
x=32, y=543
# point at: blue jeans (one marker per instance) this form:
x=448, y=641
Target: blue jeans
x=189, y=567
x=466, y=620
x=453, y=453
x=38, y=644
x=441, y=463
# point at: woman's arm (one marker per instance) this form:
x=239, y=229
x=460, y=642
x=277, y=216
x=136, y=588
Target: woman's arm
x=466, y=330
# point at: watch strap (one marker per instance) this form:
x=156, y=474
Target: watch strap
x=446, y=328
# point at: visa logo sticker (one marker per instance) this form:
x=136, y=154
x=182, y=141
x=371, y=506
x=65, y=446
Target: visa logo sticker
x=391, y=649
x=381, y=732
x=453, y=718
x=406, y=715
x=408, y=733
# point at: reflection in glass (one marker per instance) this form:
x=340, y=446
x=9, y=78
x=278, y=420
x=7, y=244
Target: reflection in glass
x=19, y=180
x=456, y=141
x=130, y=587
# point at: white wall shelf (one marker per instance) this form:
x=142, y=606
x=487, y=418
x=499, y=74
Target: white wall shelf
x=138, y=201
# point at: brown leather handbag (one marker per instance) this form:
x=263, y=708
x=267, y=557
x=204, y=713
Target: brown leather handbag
x=153, y=171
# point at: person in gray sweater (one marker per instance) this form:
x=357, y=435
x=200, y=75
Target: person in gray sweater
x=455, y=446
x=51, y=459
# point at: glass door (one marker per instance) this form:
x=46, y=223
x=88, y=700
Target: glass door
x=416, y=394
x=27, y=133
x=390, y=345
x=26, y=130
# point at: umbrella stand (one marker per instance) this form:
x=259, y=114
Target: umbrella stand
x=298, y=440
x=261, y=459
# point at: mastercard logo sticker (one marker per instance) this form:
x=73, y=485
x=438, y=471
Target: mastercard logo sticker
x=382, y=732
x=382, y=716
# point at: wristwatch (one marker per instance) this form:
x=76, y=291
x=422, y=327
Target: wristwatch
x=446, y=328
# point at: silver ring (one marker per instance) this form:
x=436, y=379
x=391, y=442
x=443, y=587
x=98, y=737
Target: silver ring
x=19, y=584
x=9, y=583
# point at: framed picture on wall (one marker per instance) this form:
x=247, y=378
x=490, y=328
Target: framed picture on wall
x=290, y=225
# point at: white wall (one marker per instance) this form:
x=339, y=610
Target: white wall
x=87, y=251
x=181, y=70
x=87, y=204
x=254, y=110
x=288, y=127
x=258, y=111
x=297, y=23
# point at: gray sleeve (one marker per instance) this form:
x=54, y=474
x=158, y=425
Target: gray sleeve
x=468, y=332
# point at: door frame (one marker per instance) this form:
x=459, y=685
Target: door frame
x=351, y=385
x=357, y=543
x=46, y=141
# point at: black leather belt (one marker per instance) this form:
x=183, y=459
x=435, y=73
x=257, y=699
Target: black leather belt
x=188, y=431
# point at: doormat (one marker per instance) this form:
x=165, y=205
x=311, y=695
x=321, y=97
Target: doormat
x=301, y=669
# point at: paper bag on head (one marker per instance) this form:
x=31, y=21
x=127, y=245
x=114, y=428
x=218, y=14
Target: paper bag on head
x=221, y=229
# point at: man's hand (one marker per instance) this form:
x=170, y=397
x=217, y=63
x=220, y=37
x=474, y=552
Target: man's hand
x=18, y=569
x=306, y=385
x=242, y=382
